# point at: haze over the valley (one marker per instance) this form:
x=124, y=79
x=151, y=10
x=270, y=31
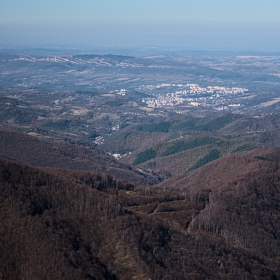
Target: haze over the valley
x=139, y=140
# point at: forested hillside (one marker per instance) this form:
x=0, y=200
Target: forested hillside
x=220, y=221
x=183, y=143
x=39, y=152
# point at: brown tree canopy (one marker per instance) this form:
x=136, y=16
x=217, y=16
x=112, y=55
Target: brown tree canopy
x=218, y=222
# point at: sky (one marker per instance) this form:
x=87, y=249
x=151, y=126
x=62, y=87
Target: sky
x=202, y=24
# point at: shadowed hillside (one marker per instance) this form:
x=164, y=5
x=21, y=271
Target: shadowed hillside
x=221, y=221
x=34, y=151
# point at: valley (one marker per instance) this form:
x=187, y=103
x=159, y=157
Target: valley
x=139, y=167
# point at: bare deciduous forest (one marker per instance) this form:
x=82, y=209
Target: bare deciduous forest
x=220, y=221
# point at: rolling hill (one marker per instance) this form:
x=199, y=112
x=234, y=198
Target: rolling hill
x=183, y=143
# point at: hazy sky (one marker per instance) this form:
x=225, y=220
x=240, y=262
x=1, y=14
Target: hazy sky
x=178, y=23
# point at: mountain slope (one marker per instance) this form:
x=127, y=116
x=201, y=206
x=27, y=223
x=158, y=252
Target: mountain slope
x=183, y=142
x=242, y=202
x=34, y=151
x=59, y=224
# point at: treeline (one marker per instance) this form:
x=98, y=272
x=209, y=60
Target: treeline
x=212, y=155
x=180, y=146
x=212, y=123
x=244, y=147
x=58, y=125
x=144, y=156
x=216, y=122
x=155, y=127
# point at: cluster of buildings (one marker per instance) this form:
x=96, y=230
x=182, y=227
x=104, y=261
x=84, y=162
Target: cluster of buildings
x=193, y=95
